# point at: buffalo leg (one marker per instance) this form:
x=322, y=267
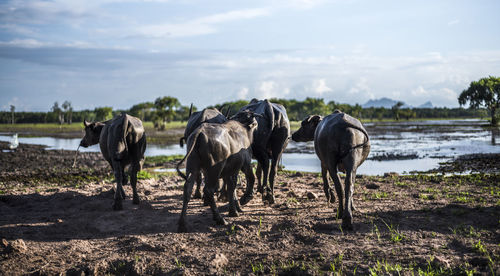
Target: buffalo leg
x=332, y=168
x=263, y=160
x=231, y=187
x=118, y=170
x=349, y=191
x=124, y=182
x=277, y=146
x=188, y=189
x=250, y=182
x=330, y=196
x=197, y=192
x=134, y=168
x=211, y=184
x=258, y=172
x=223, y=192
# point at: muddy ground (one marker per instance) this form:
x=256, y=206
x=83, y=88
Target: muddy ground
x=55, y=219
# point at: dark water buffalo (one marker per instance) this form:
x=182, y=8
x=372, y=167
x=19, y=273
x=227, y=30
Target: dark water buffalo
x=123, y=142
x=207, y=115
x=270, y=140
x=218, y=151
x=341, y=142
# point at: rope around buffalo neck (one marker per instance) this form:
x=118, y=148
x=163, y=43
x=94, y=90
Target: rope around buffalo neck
x=76, y=154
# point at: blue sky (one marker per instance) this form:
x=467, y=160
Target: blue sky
x=121, y=52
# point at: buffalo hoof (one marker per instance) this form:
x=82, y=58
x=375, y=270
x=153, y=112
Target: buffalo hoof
x=269, y=198
x=181, y=228
x=206, y=201
x=260, y=189
x=339, y=213
x=197, y=194
x=221, y=221
x=233, y=213
x=117, y=205
x=332, y=197
x=245, y=199
x=136, y=200
x=222, y=197
x=347, y=226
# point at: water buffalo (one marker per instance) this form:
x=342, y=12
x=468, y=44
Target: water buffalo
x=207, y=115
x=123, y=142
x=270, y=140
x=219, y=151
x=341, y=142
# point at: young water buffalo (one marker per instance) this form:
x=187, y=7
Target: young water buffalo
x=219, y=151
x=341, y=142
x=270, y=140
x=207, y=115
x=123, y=142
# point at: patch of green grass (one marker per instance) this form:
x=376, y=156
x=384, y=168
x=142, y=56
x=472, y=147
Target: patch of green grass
x=380, y=195
x=385, y=268
x=232, y=230
x=158, y=160
x=291, y=200
x=427, y=196
x=178, y=263
x=43, y=127
x=337, y=265
x=257, y=268
x=288, y=266
x=480, y=248
x=396, y=235
x=144, y=175
x=401, y=184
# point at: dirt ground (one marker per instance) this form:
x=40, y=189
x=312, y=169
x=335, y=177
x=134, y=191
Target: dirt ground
x=55, y=219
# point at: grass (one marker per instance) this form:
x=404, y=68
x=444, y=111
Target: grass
x=257, y=268
x=396, y=235
x=144, y=175
x=178, y=263
x=48, y=128
x=380, y=195
x=162, y=159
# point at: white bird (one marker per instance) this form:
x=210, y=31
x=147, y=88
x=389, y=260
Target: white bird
x=14, y=142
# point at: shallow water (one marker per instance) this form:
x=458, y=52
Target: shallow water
x=426, y=143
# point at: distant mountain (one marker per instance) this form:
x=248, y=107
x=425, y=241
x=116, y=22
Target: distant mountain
x=428, y=104
x=383, y=102
x=389, y=103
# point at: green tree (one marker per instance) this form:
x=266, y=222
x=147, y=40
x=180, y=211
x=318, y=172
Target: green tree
x=12, y=112
x=58, y=112
x=68, y=110
x=483, y=93
x=165, y=107
x=103, y=113
x=142, y=110
x=396, y=110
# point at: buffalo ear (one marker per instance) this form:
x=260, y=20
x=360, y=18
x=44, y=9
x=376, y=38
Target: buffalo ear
x=314, y=119
x=253, y=124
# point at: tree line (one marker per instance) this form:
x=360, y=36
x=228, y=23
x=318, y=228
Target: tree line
x=167, y=109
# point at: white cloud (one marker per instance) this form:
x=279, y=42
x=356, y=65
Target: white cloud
x=360, y=86
x=271, y=89
x=200, y=26
x=243, y=93
x=453, y=22
x=319, y=87
x=27, y=43
x=419, y=92
x=303, y=4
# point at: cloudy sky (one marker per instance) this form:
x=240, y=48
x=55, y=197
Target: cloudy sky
x=121, y=52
